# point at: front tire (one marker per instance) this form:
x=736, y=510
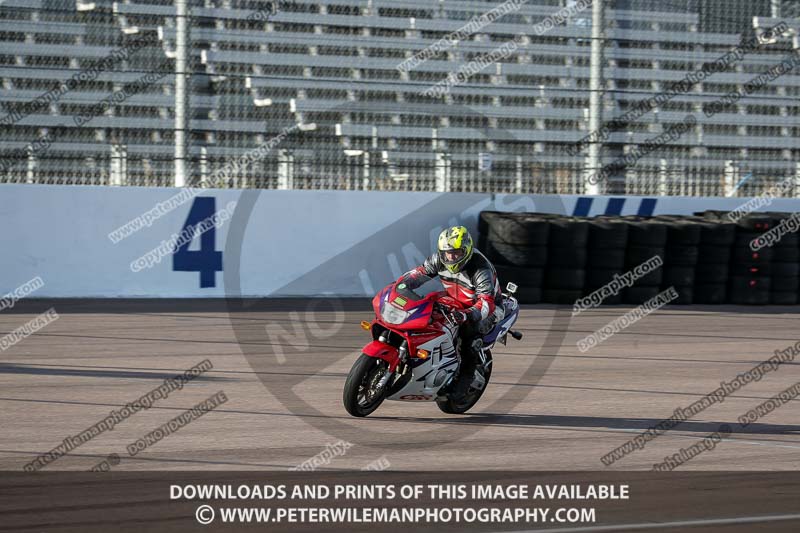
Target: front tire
x=459, y=406
x=360, y=397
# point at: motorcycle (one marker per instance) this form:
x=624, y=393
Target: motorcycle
x=413, y=356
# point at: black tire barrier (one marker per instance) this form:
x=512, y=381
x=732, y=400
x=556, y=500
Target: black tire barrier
x=611, y=299
x=515, y=255
x=521, y=276
x=786, y=255
x=653, y=278
x=713, y=294
x=785, y=284
x=597, y=277
x=482, y=241
x=636, y=255
x=713, y=254
x=756, y=223
x=560, y=296
x=686, y=255
x=744, y=238
x=571, y=256
x=639, y=295
x=711, y=273
x=685, y=295
x=683, y=233
x=707, y=258
x=485, y=220
x=720, y=234
x=741, y=254
x=785, y=270
x=529, y=295
x=565, y=278
x=783, y=298
x=646, y=233
x=787, y=240
x=743, y=290
x=610, y=258
x=678, y=276
x=605, y=234
x=569, y=232
x=751, y=269
x=522, y=230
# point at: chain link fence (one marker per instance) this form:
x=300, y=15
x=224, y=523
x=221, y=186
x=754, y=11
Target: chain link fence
x=88, y=95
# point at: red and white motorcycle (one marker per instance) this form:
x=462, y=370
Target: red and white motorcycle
x=414, y=352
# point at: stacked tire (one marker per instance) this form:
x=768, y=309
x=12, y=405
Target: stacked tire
x=717, y=236
x=680, y=257
x=646, y=239
x=749, y=280
x=707, y=260
x=565, y=274
x=517, y=245
x=784, y=268
x=605, y=254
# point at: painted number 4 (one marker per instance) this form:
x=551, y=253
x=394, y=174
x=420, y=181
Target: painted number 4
x=206, y=260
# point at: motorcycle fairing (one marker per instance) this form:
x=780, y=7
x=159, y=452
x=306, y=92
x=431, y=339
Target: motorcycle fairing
x=511, y=313
x=383, y=351
x=431, y=374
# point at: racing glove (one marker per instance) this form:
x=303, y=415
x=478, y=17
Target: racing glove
x=460, y=316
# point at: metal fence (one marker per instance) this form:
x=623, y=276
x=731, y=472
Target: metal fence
x=401, y=94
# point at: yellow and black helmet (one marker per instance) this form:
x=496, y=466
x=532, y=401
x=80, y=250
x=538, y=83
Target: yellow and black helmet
x=455, y=248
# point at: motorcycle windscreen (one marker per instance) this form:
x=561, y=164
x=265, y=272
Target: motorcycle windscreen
x=414, y=287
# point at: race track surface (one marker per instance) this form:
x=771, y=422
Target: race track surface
x=563, y=413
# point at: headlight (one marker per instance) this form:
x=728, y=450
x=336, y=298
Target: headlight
x=393, y=315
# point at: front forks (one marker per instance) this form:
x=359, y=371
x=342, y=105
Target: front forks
x=403, y=355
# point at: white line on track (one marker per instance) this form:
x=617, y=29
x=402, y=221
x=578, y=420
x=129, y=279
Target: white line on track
x=666, y=525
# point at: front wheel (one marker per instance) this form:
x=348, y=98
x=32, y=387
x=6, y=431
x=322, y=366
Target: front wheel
x=459, y=406
x=360, y=395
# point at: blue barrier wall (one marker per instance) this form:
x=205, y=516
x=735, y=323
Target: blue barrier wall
x=272, y=243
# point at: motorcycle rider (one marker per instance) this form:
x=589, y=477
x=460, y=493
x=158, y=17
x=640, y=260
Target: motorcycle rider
x=471, y=279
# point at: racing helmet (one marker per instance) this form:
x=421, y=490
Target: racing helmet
x=455, y=248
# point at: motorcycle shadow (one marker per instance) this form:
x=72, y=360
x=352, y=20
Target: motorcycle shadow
x=599, y=423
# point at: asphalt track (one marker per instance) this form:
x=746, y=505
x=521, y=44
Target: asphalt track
x=98, y=356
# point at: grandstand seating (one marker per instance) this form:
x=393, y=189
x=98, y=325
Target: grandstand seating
x=333, y=63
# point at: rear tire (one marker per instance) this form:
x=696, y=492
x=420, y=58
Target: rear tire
x=358, y=397
x=450, y=406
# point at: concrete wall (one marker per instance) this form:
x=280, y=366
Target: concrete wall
x=276, y=243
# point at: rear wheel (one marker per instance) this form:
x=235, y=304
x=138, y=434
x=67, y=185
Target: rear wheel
x=360, y=395
x=460, y=405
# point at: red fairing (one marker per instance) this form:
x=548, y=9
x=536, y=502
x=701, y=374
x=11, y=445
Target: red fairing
x=378, y=301
x=418, y=339
x=383, y=351
x=420, y=318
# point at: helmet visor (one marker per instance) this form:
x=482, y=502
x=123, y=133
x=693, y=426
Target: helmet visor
x=451, y=257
